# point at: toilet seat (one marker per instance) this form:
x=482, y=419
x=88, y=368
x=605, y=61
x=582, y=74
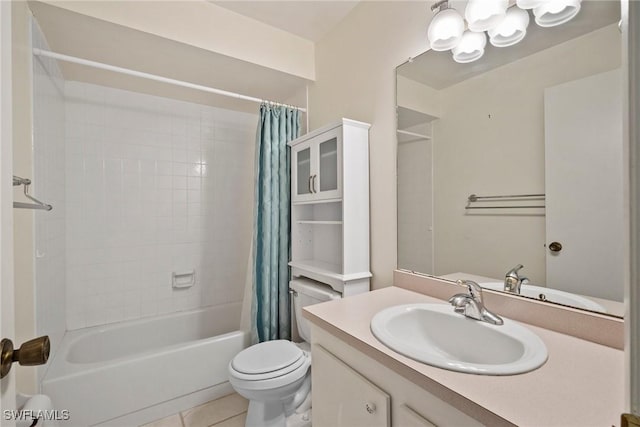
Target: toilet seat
x=268, y=360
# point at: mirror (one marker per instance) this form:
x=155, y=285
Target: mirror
x=519, y=158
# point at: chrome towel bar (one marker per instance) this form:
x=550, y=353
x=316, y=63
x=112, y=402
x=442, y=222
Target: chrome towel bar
x=37, y=204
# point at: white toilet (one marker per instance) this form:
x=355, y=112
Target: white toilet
x=275, y=375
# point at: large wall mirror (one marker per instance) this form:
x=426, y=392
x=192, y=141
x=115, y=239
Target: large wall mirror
x=518, y=159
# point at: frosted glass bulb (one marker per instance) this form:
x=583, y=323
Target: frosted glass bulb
x=445, y=30
x=483, y=15
x=556, y=12
x=529, y=4
x=470, y=48
x=511, y=30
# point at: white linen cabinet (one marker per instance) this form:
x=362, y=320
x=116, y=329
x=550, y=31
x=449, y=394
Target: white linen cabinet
x=330, y=206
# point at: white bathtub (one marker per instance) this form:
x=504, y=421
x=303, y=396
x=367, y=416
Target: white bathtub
x=134, y=372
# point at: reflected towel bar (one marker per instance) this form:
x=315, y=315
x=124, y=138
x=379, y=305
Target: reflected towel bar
x=512, y=197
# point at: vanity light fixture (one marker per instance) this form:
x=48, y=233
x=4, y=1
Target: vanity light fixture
x=556, y=12
x=446, y=28
x=470, y=48
x=482, y=15
x=506, y=24
x=511, y=30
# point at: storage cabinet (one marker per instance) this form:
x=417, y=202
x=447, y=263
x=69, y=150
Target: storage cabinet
x=316, y=164
x=330, y=206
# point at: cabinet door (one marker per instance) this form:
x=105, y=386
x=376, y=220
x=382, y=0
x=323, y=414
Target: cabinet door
x=344, y=398
x=301, y=172
x=407, y=417
x=317, y=168
x=327, y=183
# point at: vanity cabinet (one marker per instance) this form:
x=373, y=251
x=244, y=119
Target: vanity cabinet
x=330, y=206
x=347, y=382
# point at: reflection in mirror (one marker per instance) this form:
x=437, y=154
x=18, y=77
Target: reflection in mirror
x=539, y=122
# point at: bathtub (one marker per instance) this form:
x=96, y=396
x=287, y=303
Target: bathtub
x=134, y=372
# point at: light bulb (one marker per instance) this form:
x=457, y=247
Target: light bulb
x=483, y=15
x=556, y=12
x=511, y=30
x=529, y=4
x=445, y=30
x=470, y=48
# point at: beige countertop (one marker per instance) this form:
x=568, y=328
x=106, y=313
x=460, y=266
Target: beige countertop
x=581, y=384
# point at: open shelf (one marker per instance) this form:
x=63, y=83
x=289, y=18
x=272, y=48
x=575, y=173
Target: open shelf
x=407, y=136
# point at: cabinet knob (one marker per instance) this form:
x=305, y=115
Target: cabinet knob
x=370, y=407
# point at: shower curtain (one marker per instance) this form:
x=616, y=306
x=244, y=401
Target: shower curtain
x=270, y=309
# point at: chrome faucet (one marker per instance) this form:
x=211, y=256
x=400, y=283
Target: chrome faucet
x=471, y=304
x=513, y=281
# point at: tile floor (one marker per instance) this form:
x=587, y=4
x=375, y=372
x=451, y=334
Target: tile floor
x=228, y=411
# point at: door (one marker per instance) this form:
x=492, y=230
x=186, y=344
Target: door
x=302, y=172
x=328, y=182
x=584, y=181
x=7, y=384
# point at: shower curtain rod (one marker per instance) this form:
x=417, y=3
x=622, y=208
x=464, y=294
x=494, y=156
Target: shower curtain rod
x=100, y=65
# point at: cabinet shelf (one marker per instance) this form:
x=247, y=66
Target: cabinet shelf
x=407, y=136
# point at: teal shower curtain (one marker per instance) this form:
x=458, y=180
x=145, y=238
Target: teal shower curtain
x=270, y=309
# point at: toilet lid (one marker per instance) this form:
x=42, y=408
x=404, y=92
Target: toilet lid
x=267, y=357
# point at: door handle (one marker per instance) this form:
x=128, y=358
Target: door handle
x=31, y=353
x=555, y=246
x=313, y=183
x=310, y=189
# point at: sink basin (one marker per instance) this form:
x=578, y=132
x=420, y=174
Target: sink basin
x=436, y=335
x=551, y=295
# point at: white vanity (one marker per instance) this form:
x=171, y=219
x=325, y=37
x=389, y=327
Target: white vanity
x=358, y=381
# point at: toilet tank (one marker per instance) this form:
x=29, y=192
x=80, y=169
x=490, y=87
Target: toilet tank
x=308, y=292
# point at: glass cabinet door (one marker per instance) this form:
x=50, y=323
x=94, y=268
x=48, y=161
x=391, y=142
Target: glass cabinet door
x=328, y=173
x=303, y=175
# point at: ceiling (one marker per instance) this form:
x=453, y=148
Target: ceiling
x=438, y=69
x=89, y=38
x=309, y=19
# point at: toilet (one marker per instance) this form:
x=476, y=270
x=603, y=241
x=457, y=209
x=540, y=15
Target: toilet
x=274, y=375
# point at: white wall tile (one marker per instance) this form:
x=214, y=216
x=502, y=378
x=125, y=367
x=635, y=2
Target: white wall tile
x=143, y=203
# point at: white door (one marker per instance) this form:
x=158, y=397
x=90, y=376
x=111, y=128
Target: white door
x=584, y=186
x=7, y=384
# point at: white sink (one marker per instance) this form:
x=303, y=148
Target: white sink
x=551, y=295
x=436, y=335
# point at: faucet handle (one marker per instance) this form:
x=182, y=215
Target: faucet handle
x=475, y=291
x=514, y=271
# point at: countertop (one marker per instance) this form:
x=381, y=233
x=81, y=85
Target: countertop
x=581, y=384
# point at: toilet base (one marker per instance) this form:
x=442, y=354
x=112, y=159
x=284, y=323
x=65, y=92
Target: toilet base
x=265, y=414
x=261, y=414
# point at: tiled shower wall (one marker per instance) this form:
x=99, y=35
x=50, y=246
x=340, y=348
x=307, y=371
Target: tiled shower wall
x=49, y=186
x=153, y=186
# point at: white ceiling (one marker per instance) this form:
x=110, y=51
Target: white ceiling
x=309, y=19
